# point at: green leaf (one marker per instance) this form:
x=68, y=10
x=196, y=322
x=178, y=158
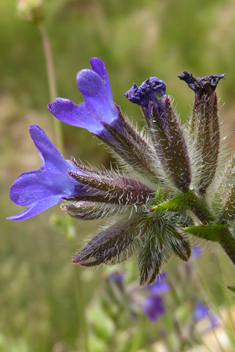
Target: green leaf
x=215, y=233
x=208, y=232
x=186, y=201
x=231, y=288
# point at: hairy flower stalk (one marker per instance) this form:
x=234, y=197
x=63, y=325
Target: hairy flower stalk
x=170, y=184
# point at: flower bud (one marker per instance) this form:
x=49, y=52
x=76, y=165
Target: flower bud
x=30, y=10
x=204, y=125
x=165, y=130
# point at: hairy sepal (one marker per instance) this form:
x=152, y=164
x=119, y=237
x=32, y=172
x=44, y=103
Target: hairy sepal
x=170, y=145
x=109, y=243
x=204, y=125
x=116, y=189
x=126, y=142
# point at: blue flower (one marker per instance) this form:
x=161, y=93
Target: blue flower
x=104, y=119
x=98, y=107
x=201, y=311
x=159, y=286
x=153, y=307
x=43, y=188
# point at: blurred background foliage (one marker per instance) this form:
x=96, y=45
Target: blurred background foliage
x=136, y=39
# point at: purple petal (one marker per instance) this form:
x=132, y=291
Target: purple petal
x=159, y=285
x=98, y=106
x=99, y=67
x=35, y=208
x=41, y=189
x=153, y=307
x=76, y=115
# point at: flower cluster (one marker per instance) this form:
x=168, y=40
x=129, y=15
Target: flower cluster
x=172, y=180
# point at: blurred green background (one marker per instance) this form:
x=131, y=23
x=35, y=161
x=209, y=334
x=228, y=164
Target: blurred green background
x=136, y=39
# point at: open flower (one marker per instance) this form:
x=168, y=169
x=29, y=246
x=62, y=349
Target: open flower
x=100, y=116
x=59, y=179
x=153, y=307
x=202, y=311
x=98, y=107
x=43, y=188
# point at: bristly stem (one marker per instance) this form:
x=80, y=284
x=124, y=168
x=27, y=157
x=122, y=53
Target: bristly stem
x=51, y=82
x=83, y=334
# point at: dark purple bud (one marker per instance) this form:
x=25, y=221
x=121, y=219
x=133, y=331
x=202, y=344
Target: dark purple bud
x=152, y=90
x=165, y=130
x=201, y=85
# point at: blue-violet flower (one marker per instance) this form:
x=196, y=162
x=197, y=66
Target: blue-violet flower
x=162, y=192
x=43, y=188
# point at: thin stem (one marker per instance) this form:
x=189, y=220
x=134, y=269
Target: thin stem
x=51, y=82
x=83, y=334
x=180, y=302
x=206, y=293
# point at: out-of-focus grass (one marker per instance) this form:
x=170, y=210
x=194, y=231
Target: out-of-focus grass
x=136, y=39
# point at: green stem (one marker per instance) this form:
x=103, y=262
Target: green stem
x=83, y=334
x=51, y=82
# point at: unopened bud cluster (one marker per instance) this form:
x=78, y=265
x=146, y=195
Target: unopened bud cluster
x=172, y=180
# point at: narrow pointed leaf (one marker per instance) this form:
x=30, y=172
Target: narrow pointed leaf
x=109, y=243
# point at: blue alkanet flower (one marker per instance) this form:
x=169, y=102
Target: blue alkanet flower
x=98, y=107
x=153, y=304
x=104, y=119
x=43, y=188
x=59, y=179
x=153, y=307
x=202, y=311
x=160, y=285
x=168, y=169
